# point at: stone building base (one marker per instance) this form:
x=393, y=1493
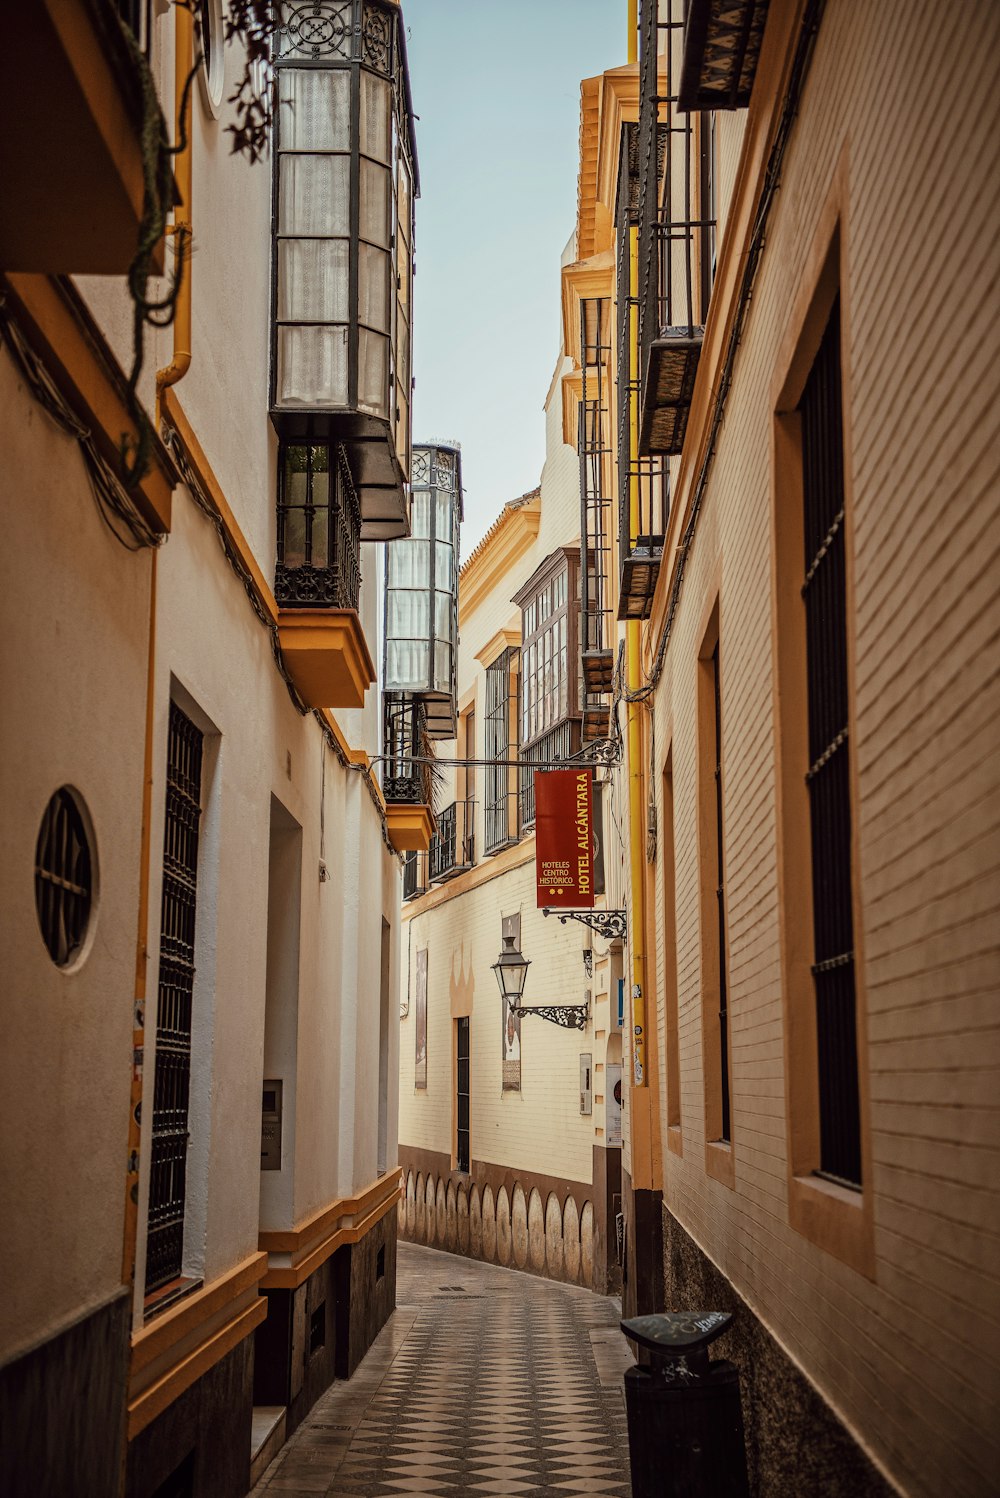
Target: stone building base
x=796, y=1445
x=62, y=1409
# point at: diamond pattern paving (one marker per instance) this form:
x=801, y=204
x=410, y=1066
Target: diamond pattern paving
x=485, y=1381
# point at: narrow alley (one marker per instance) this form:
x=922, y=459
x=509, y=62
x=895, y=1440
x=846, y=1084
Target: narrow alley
x=485, y=1380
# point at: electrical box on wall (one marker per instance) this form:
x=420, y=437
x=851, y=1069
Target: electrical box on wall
x=586, y=1095
x=270, y=1127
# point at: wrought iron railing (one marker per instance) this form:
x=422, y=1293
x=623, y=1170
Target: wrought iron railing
x=319, y=529
x=405, y=778
x=559, y=743
x=453, y=846
x=415, y=877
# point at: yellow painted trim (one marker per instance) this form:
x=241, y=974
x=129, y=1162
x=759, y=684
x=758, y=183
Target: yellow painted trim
x=165, y=1331
x=504, y=639
x=410, y=827
x=302, y=1238
x=174, y=412
x=289, y=1277
x=153, y=1401
x=512, y=535
x=584, y=279
x=327, y=656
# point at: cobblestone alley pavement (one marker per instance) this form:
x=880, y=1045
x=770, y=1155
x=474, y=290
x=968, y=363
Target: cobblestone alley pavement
x=484, y=1381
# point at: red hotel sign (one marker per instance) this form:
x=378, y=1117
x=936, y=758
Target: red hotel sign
x=564, y=841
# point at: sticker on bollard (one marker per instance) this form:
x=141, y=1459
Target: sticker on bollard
x=685, y=1424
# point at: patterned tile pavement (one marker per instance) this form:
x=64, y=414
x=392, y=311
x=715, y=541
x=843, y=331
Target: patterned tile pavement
x=485, y=1381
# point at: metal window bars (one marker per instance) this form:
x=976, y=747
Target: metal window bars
x=673, y=238
x=172, y=1072
x=415, y=876
x=561, y=742
x=594, y=447
x=643, y=482
x=828, y=777
x=405, y=778
x=319, y=529
x=500, y=725
x=453, y=847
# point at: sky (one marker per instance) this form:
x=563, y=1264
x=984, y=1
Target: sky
x=496, y=89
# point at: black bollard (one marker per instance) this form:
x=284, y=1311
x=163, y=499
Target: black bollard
x=685, y=1423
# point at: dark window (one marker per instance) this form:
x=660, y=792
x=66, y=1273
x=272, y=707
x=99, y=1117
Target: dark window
x=172, y=1077
x=380, y=1263
x=462, y=1098
x=501, y=744
x=63, y=878
x=180, y=1483
x=720, y=892
x=828, y=780
x=319, y=529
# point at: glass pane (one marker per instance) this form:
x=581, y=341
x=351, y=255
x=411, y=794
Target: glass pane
x=444, y=517
x=403, y=289
x=409, y=615
x=296, y=488
x=313, y=280
x=406, y=665
x=313, y=195
x=375, y=99
x=312, y=366
x=443, y=556
x=442, y=615
x=420, y=518
x=402, y=419
x=314, y=113
x=403, y=349
x=374, y=203
x=321, y=518
x=373, y=373
x=294, y=549
x=442, y=666
x=409, y=564
x=403, y=207
x=373, y=287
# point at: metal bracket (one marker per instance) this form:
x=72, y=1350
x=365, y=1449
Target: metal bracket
x=570, y=1016
x=611, y=924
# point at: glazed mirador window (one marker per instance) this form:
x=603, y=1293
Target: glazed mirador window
x=547, y=686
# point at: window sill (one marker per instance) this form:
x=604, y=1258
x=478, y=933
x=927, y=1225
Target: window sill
x=720, y=1162
x=168, y=1295
x=834, y=1218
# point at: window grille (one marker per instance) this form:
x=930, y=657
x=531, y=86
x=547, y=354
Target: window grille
x=63, y=878
x=462, y=1098
x=560, y=743
x=501, y=744
x=172, y=1077
x=824, y=593
x=319, y=529
x=404, y=777
x=721, y=901
x=453, y=844
x=414, y=875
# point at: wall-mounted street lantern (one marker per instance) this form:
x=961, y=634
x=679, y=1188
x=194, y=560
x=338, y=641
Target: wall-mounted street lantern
x=342, y=259
x=511, y=969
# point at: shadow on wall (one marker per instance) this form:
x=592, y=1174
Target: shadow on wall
x=515, y=1231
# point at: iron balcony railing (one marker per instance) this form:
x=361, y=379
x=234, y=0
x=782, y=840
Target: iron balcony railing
x=319, y=529
x=405, y=777
x=452, y=847
x=415, y=877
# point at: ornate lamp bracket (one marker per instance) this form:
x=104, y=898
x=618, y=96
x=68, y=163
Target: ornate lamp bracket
x=570, y=1016
x=611, y=924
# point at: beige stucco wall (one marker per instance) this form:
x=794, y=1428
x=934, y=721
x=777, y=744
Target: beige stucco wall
x=909, y=1356
x=72, y=599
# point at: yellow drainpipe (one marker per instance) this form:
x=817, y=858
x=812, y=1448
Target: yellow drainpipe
x=181, y=227
x=174, y=371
